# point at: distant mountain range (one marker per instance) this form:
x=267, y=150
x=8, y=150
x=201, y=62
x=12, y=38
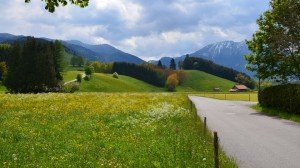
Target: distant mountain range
x=103, y=52
x=226, y=53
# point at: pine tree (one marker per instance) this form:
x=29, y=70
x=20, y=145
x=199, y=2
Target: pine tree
x=58, y=59
x=159, y=64
x=172, y=64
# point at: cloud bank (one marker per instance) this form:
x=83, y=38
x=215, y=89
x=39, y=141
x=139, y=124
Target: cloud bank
x=148, y=29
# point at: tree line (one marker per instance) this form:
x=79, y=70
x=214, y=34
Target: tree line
x=140, y=72
x=33, y=66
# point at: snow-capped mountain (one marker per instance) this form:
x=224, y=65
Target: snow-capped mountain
x=226, y=53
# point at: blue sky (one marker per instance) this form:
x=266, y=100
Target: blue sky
x=149, y=29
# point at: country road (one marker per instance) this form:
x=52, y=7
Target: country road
x=253, y=139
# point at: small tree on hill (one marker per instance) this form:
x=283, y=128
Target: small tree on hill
x=172, y=82
x=89, y=70
x=159, y=64
x=172, y=64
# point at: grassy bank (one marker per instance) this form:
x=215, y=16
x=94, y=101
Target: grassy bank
x=198, y=81
x=230, y=96
x=276, y=112
x=106, y=83
x=102, y=130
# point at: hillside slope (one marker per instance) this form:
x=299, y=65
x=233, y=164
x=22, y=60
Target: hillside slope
x=109, y=53
x=199, y=81
x=106, y=83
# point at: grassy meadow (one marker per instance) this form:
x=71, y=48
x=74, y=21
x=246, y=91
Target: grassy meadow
x=250, y=96
x=198, y=81
x=106, y=83
x=102, y=130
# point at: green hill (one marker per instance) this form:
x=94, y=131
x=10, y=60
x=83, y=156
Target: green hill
x=199, y=81
x=106, y=83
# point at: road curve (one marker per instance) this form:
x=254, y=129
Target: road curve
x=253, y=139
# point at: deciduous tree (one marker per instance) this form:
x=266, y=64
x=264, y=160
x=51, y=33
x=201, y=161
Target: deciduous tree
x=52, y=4
x=276, y=45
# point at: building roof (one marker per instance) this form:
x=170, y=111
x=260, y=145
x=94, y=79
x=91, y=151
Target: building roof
x=241, y=87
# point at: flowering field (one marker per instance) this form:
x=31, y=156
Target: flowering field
x=102, y=130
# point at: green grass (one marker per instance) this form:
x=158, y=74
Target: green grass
x=102, y=130
x=106, y=83
x=71, y=75
x=276, y=112
x=199, y=81
x=2, y=88
x=251, y=96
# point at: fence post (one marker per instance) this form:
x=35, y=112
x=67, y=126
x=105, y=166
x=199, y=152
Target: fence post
x=216, y=149
x=191, y=104
x=204, y=129
x=249, y=98
x=225, y=96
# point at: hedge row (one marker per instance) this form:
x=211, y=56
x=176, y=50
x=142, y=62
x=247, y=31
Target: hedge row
x=284, y=97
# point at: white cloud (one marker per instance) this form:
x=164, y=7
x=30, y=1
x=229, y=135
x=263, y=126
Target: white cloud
x=149, y=29
x=127, y=10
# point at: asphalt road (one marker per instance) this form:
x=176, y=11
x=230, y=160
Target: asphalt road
x=252, y=139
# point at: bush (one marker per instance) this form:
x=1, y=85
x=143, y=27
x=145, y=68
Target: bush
x=79, y=78
x=116, y=75
x=89, y=70
x=283, y=97
x=87, y=78
x=3, y=70
x=172, y=82
x=100, y=67
x=71, y=87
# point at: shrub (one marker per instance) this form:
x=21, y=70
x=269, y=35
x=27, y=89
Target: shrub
x=172, y=82
x=100, y=67
x=89, y=70
x=3, y=70
x=116, y=75
x=284, y=97
x=79, y=78
x=71, y=87
x=87, y=78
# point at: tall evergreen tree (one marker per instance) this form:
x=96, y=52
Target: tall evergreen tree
x=32, y=67
x=172, y=64
x=58, y=59
x=159, y=64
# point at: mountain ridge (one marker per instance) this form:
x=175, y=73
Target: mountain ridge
x=226, y=53
x=103, y=52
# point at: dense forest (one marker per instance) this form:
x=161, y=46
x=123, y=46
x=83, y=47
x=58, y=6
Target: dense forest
x=33, y=65
x=144, y=73
x=193, y=63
